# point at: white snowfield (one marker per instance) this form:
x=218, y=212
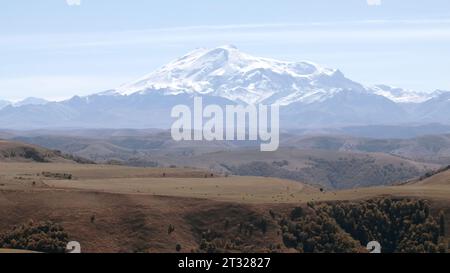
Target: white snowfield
x=229, y=73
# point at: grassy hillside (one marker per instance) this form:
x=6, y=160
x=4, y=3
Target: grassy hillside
x=103, y=145
x=432, y=148
x=330, y=169
x=125, y=209
x=439, y=177
x=11, y=151
x=14, y=151
x=334, y=162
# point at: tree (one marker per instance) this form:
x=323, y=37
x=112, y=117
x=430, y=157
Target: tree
x=42, y=237
x=297, y=213
x=400, y=225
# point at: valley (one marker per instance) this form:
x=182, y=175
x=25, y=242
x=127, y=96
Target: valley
x=331, y=161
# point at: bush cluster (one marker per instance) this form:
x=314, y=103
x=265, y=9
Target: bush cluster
x=45, y=237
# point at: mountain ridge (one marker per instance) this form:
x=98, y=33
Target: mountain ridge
x=201, y=66
x=310, y=95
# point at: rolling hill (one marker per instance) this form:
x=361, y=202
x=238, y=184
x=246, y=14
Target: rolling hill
x=11, y=151
x=122, y=209
x=329, y=161
x=426, y=148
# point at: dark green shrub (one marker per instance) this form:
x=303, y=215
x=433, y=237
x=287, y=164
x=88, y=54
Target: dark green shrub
x=42, y=237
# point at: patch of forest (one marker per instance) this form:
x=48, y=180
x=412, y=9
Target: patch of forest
x=399, y=225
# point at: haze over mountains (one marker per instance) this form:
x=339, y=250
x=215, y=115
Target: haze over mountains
x=311, y=96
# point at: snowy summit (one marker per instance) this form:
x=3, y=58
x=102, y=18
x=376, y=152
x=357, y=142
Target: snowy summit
x=229, y=73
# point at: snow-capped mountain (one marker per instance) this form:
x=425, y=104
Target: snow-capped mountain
x=27, y=101
x=400, y=95
x=30, y=101
x=229, y=73
x=310, y=95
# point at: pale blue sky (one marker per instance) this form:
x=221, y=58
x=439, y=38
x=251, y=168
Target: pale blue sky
x=53, y=50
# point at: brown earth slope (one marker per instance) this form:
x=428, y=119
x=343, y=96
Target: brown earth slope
x=123, y=209
x=11, y=151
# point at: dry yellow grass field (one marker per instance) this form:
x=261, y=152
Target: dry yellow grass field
x=193, y=183
x=133, y=207
x=188, y=183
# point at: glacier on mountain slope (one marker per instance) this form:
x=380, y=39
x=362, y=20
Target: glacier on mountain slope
x=229, y=73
